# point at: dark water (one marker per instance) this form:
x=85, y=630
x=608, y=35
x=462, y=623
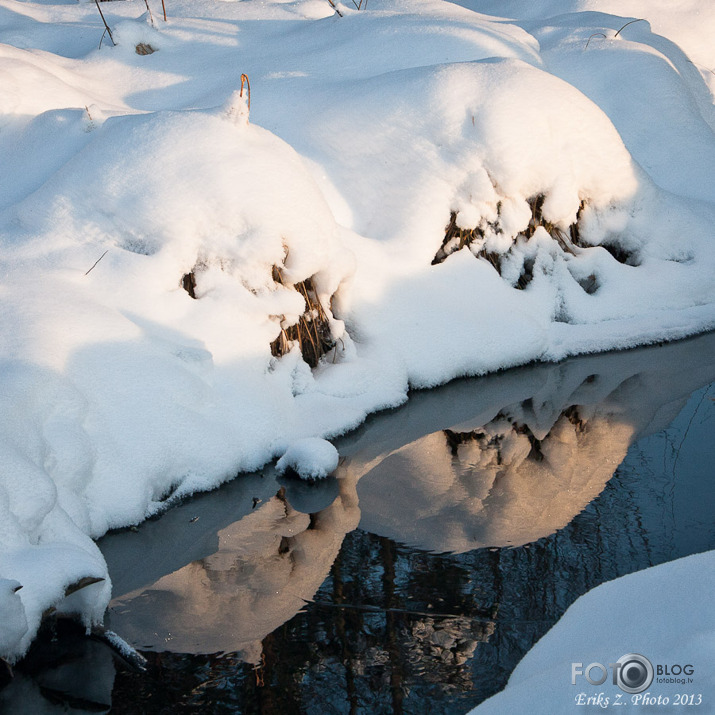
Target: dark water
x=458, y=531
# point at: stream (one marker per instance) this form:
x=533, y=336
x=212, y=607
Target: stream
x=455, y=533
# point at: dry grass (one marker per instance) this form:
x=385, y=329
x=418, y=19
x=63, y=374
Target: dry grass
x=144, y=49
x=246, y=82
x=456, y=238
x=618, y=32
x=311, y=332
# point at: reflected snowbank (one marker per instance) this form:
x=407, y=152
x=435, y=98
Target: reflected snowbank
x=267, y=566
x=497, y=485
x=539, y=445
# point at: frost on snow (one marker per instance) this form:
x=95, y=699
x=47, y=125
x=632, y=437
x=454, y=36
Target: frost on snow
x=185, y=286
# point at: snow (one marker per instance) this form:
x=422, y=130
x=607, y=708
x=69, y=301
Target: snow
x=613, y=620
x=124, y=173
x=310, y=458
x=13, y=616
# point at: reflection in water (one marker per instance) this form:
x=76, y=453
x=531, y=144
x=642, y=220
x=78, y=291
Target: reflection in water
x=296, y=611
x=509, y=459
x=268, y=565
x=53, y=678
x=496, y=485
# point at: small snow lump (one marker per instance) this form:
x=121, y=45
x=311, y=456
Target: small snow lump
x=310, y=458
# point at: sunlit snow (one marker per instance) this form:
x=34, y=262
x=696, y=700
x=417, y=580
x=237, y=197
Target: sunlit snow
x=159, y=235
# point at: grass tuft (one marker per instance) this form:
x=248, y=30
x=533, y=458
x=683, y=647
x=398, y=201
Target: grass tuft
x=618, y=32
x=311, y=332
x=456, y=238
x=244, y=80
x=144, y=49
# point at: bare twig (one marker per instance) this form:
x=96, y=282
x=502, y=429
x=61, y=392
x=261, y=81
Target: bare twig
x=601, y=34
x=127, y=653
x=640, y=19
x=334, y=6
x=687, y=429
x=697, y=66
x=151, y=17
x=163, y=7
x=98, y=260
x=82, y=583
x=595, y=34
x=109, y=32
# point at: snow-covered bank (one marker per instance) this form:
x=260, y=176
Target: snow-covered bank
x=615, y=619
x=159, y=241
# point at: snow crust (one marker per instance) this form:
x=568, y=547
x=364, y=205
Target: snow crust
x=127, y=175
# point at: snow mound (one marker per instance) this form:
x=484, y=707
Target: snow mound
x=477, y=138
x=310, y=458
x=91, y=439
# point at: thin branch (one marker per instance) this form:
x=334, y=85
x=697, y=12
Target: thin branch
x=595, y=34
x=601, y=34
x=244, y=79
x=334, y=6
x=690, y=424
x=82, y=583
x=367, y=608
x=98, y=260
x=96, y=2
x=640, y=19
x=697, y=66
x=151, y=17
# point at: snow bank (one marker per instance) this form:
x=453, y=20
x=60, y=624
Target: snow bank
x=419, y=191
x=613, y=620
x=109, y=375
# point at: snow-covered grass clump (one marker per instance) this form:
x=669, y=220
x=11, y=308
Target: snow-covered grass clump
x=419, y=191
